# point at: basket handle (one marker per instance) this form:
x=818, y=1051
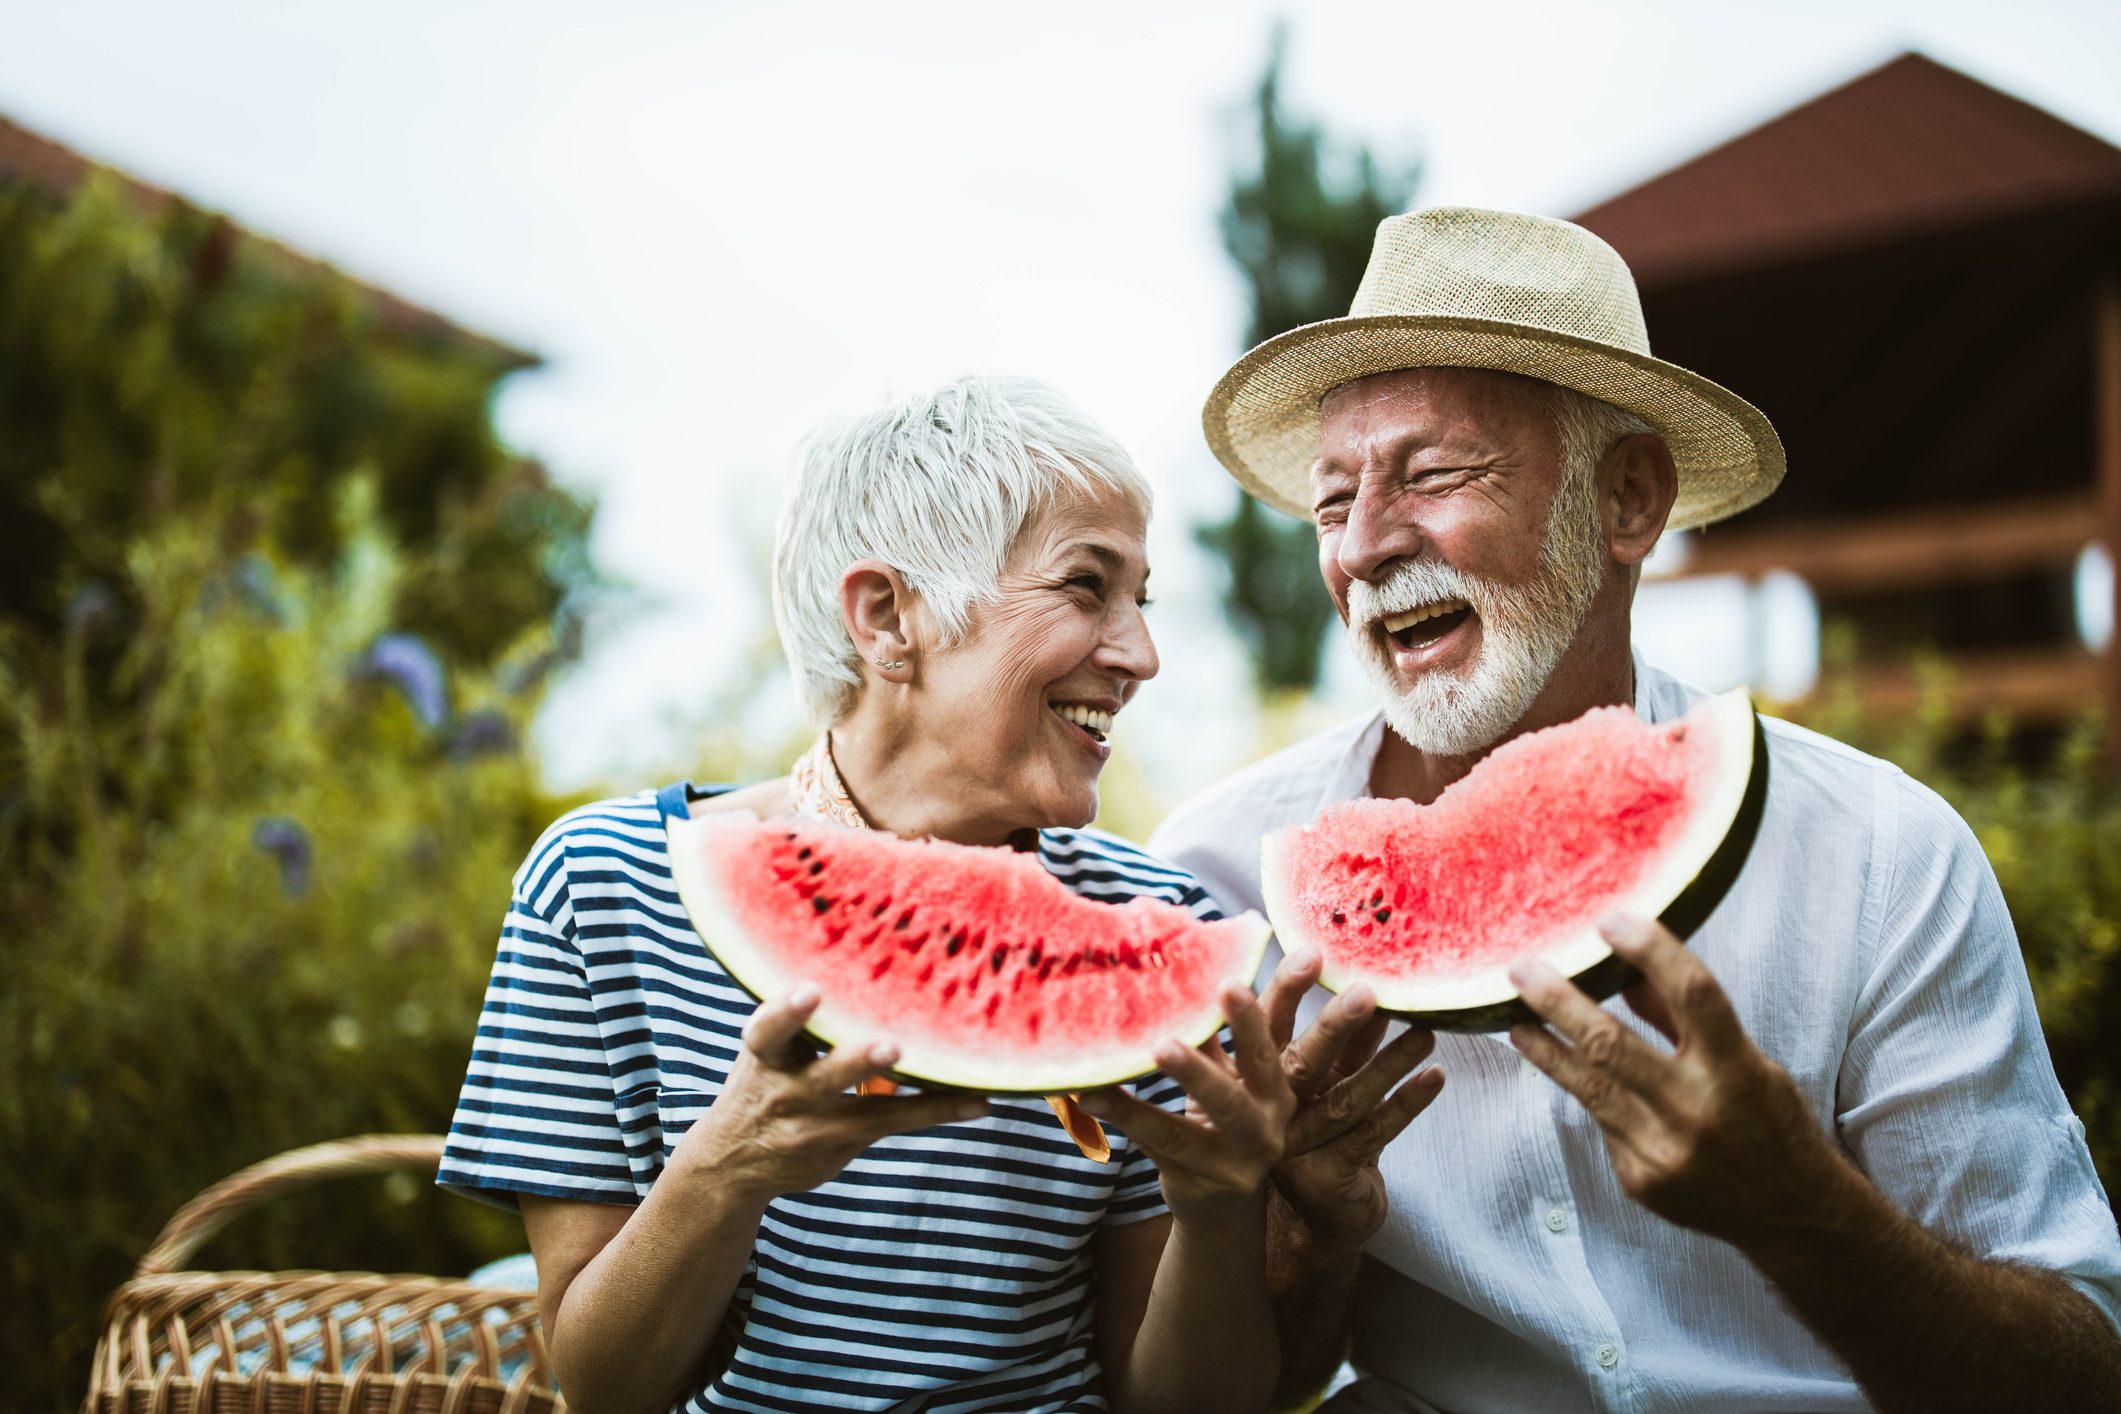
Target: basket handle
x=205, y=1215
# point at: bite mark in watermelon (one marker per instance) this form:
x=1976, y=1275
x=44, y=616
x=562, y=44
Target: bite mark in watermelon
x=1430, y=904
x=982, y=967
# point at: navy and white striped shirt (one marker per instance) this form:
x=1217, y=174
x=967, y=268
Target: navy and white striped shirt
x=945, y=1270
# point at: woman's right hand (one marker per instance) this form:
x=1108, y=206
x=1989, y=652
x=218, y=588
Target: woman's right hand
x=784, y=1120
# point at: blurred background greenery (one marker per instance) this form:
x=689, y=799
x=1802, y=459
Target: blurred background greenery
x=276, y=611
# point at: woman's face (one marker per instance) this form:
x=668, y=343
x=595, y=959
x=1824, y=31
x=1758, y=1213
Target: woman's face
x=1025, y=700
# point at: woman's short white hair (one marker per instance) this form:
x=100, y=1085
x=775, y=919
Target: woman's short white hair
x=939, y=486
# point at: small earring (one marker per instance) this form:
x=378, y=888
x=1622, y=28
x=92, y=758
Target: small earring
x=891, y=667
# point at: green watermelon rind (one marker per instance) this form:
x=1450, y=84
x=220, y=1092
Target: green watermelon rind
x=761, y=976
x=1680, y=895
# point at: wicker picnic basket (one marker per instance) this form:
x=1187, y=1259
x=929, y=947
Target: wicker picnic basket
x=179, y=1342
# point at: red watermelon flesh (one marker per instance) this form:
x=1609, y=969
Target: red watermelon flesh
x=980, y=965
x=1430, y=904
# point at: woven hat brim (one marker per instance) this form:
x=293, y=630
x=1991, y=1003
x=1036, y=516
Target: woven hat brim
x=1261, y=419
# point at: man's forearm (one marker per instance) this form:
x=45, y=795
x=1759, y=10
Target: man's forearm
x=1924, y=1326
x=1308, y=1282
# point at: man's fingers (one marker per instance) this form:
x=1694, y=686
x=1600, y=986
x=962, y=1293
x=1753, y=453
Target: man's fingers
x=1693, y=999
x=774, y=1031
x=1252, y=1042
x=1597, y=1036
x=1362, y=1045
x=1620, y=1112
x=1390, y=1119
x=1349, y=1104
x=1390, y=1066
x=1291, y=981
x=1308, y=1061
x=1643, y=1000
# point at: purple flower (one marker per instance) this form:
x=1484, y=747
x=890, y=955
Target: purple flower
x=283, y=837
x=486, y=732
x=92, y=609
x=406, y=662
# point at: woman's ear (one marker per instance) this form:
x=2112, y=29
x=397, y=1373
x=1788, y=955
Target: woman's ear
x=878, y=609
x=1639, y=484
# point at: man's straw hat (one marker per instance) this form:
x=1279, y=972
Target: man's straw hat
x=1467, y=288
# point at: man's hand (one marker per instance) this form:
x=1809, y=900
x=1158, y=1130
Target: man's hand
x=1717, y=1137
x=1714, y=1136
x=1347, y=1110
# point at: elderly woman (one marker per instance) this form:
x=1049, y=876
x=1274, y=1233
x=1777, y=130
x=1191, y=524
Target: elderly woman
x=959, y=582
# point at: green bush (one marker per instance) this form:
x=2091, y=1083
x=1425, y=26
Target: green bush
x=275, y=608
x=289, y=949
x=2049, y=819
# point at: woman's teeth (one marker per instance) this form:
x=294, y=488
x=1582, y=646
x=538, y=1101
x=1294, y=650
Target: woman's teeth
x=1097, y=723
x=1400, y=623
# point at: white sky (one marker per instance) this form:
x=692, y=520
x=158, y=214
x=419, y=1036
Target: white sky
x=719, y=223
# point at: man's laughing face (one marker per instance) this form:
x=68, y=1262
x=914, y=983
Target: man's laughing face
x=1462, y=555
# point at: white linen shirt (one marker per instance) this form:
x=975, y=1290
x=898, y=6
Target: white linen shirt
x=1867, y=948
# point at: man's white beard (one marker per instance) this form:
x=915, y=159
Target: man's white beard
x=1524, y=630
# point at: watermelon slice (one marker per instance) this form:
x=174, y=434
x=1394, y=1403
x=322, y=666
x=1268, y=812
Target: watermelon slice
x=985, y=971
x=1430, y=904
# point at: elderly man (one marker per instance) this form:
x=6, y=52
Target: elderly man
x=1819, y=1159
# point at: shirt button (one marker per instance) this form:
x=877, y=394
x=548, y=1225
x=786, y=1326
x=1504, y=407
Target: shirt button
x=1557, y=1220
x=1608, y=1356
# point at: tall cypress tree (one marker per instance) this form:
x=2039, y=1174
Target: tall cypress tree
x=1299, y=222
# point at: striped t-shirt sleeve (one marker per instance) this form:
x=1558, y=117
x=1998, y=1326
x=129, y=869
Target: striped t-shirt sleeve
x=536, y=1112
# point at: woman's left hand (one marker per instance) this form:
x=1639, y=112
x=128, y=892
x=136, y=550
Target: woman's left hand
x=1214, y=1159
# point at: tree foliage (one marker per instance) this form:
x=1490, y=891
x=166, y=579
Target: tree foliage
x=1299, y=223
x=275, y=611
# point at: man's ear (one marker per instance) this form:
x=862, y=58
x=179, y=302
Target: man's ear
x=1637, y=485
x=878, y=610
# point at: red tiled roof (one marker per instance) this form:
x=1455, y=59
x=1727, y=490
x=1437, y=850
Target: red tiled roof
x=1910, y=147
x=29, y=156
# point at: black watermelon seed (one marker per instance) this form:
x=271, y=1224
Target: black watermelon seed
x=1340, y=918
x=821, y=903
x=817, y=866
x=994, y=959
x=804, y=852
x=1383, y=915
x=956, y=944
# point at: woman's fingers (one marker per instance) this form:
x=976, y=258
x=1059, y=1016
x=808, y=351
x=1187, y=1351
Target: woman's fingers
x=774, y=1032
x=1163, y=1136
x=876, y=1117
x=847, y=1066
x=1221, y=1094
x=1252, y=1042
